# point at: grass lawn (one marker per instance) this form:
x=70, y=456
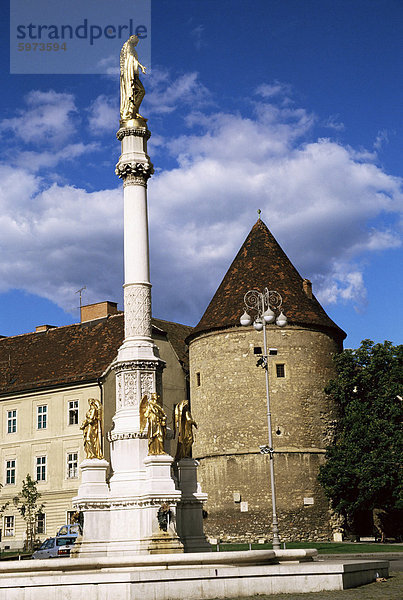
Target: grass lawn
x=321, y=547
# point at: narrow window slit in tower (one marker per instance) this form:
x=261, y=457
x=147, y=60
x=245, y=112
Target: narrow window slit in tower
x=280, y=370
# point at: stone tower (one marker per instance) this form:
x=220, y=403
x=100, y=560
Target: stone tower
x=229, y=400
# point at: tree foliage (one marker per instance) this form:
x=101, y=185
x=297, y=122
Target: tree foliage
x=28, y=507
x=363, y=471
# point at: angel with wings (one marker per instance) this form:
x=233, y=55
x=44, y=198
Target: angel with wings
x=151, y=412
x=183, y=422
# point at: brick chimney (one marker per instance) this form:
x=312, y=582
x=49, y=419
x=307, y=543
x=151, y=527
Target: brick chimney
x=99, y=310
x=41, y=328
x=307, y=287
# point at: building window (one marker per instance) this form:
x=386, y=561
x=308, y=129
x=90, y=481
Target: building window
x=73, y=412
x=42, y=417
x=72, y=465
x=40, y=523
x=280, y=370
x=41, y=468
x=8, y=526
x=198, y=379
x=10, y=472
x=11, y=421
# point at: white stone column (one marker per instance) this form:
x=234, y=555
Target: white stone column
x=124, y=518
x=138, y=367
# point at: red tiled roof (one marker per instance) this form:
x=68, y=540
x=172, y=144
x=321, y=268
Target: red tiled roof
x=71, y=354
x=261, y=263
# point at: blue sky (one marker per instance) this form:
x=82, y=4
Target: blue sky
x=288, y=106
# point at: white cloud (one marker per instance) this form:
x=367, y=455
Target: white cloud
x=54, y=239
x=317, y=198
x=381, y=139
x=103, y=114
x=47, y=116
x=197, y=34
x=271, y=90
x=33, y=161
x=341, y=283
x=333, y=122
x=166, y=94
x=327, y=204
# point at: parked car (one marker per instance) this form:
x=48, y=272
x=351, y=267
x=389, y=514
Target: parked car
x=56, y=547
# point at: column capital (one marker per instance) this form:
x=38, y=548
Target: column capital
x=134, y=172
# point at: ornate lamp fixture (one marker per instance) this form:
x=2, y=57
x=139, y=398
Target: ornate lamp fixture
x=265, y=305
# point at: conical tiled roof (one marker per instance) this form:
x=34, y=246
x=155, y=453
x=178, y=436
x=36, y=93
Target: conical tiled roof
x=261, y=263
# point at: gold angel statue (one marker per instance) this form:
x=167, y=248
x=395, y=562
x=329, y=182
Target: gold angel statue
x=131, y=89
x=184, y=423
x=151, y=412
x=92, y=429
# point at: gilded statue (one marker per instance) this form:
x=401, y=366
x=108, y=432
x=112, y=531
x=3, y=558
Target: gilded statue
x=92, y=429
x=151, y=412
x=131, y=89
x=184, y=423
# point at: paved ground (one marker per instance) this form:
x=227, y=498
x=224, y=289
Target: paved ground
x=392, y=589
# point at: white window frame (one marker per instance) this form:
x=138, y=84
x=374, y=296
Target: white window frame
x=73, y=407
x=12, y=420
x=41, y=468
x=70, y=465
x=42, y=416
x=8, y=526
x=37, y=523
x=11, y=469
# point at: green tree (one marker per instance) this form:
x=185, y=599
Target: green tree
x=363, y=470
x=28, y=506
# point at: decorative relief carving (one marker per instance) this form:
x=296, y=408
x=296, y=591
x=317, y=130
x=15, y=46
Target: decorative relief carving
x=136, y=131
x=147, y=384
x=119, y=391
x=126, y=435
x=132, y=180
x=137, y=311
x=140, y=365
x=130, y=389
x=137, y=169
x=102, y=505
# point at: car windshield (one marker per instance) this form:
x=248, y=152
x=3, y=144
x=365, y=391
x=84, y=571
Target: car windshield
x=65, y=541
x=48, y=544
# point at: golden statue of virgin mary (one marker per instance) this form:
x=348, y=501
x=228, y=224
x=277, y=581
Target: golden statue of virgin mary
x=131, y=89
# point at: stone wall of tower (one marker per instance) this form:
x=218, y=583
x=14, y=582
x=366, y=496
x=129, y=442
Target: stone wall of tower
x=229, y=404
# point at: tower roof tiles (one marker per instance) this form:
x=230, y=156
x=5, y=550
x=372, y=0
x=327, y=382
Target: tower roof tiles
x=261, y=263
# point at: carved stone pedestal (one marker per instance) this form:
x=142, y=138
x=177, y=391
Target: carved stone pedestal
x=127, y=523
x=189, y=512
x=93, y=501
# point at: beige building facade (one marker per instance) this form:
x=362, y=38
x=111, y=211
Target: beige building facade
x=46, y=379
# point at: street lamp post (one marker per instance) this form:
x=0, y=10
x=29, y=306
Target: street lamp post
x=263, y=304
